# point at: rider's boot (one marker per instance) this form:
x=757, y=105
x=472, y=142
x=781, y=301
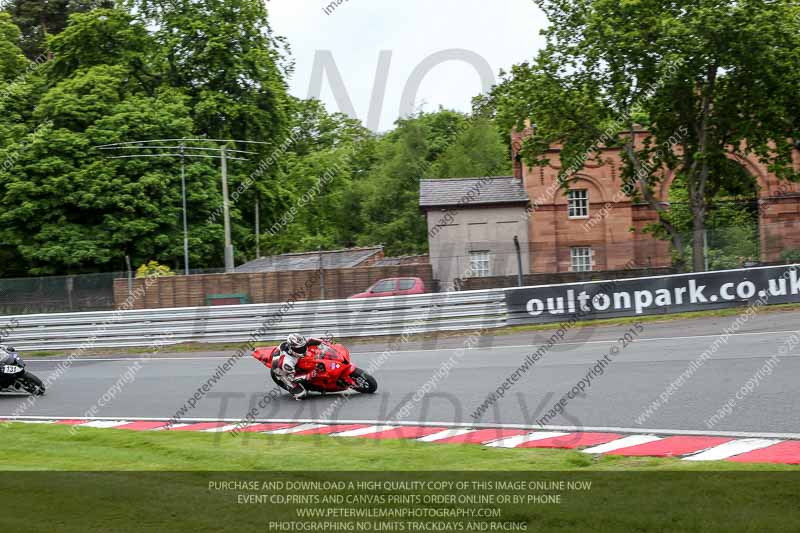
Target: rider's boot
x=298, y=391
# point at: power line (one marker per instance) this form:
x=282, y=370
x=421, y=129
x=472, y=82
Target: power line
x=223, y=157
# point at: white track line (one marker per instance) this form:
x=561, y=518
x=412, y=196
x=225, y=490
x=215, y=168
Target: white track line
x=363, y=431
x=295, y=429
x=104, y=424
x=624, y=442
x=513, y=442
x=729, y=449
x=223, y=429
x=446, y=434
x=604, y=341
x=167, y=428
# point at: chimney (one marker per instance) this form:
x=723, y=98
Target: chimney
x=517, y=140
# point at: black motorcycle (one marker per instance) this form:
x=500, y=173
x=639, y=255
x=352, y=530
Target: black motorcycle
x=14, y=377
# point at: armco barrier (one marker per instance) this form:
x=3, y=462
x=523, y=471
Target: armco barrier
x=654, y=295
x=341, y=318
x=397, y=315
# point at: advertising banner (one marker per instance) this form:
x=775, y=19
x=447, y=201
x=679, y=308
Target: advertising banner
x=654, y=295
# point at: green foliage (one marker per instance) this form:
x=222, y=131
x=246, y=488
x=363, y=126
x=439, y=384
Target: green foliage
x=706, y=78
x=478, y=150
x=152, y=269
x=114, y=77
x=224, y=55
x=138, y=70
x=791, y=255
x=365, y=190
x=37, y=19
x=12, y=60
x=731, y=224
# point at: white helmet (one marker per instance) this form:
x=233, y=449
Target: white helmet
x=297, y=344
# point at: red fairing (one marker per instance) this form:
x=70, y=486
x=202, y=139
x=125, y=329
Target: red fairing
x=328, y=365
x=265, y=355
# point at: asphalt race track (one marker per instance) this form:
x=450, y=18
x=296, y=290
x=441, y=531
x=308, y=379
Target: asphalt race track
x=639, y=373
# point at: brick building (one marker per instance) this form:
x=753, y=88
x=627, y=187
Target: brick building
x=593, y=227
x=597, y=227
x=472, y=223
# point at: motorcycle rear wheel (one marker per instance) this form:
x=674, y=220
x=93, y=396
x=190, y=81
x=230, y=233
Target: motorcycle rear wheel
x=364, y=383
x=32, y=384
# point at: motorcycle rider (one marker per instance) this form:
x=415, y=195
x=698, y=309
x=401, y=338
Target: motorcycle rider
x=292, y=350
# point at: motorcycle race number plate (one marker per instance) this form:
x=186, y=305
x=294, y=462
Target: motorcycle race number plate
x=11, y=369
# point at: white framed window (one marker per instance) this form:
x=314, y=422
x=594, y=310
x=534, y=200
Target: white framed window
x=578, y=203
x=581, y=259
x=479, y=264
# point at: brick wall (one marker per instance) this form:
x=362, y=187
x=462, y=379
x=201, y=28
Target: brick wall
x=530, y=280
x=613, y=216
x=264, y=287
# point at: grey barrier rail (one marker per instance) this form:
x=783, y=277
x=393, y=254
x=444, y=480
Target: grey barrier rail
x=341, y=318
x=654, y=295
x=428, y=313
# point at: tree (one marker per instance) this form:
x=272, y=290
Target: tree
x=141, y=71
x=12, y=60
x=477, y=151
x=327, y=158
x=68, y=209
x=707, y=78
x=224, y=54
x=38, y=19
x=389, y=195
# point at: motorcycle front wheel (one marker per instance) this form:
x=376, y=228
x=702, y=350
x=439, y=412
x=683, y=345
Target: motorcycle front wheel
x=31, y=384
x=364, y=383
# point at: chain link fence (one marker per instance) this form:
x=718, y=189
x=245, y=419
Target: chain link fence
x=63, y=294
x=476, y=265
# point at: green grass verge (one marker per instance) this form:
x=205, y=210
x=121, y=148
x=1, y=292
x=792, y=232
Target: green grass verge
x=100, y=480
x=48, y=447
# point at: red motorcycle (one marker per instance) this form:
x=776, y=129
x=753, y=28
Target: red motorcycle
x=328, y=367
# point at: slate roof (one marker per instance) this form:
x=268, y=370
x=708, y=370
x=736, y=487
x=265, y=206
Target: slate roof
x=351, y=257
x=402, y=260
x=485, y=191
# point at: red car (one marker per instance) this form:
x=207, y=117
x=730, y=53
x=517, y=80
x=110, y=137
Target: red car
x=393, y=287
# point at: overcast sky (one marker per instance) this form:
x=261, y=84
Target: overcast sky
x=495, y=33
